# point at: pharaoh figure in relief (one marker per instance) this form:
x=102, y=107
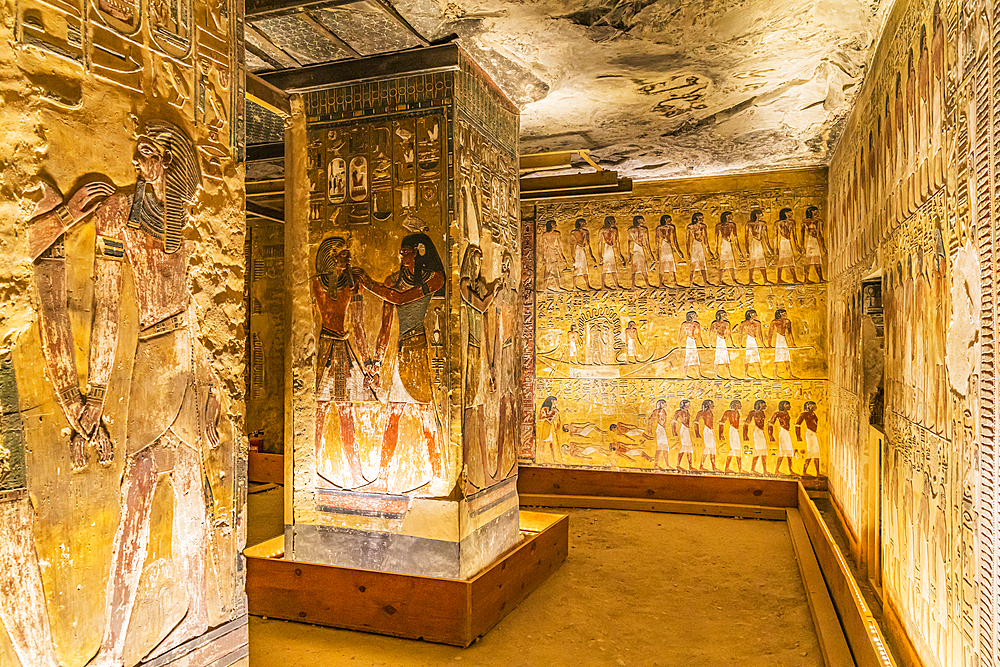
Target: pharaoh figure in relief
x=343, y=372
x=177, y=436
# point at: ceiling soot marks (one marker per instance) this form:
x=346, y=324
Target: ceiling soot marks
x=670, y=87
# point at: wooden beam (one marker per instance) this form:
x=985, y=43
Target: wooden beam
x=264, y=212
x=546, y=161
x=389, y=9
x=269, y=468
x=260, y=53
x=832, y=642
x=651, y=485
x=262, y=152
x=328, y=34
x=266, y=188
x=264, y=94
x=413, y=61
x=862, y=630
x=644, y=505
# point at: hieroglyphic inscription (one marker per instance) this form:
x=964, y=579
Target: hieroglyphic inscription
x=910, y=199
x=617, y=328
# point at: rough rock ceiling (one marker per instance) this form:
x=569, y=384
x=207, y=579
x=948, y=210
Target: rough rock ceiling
x=653, y=88
x=672, y=87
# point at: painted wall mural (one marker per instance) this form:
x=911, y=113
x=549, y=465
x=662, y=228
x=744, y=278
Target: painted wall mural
x=908, y=209
x=122, y=467
x=680, y=345
x=265, y=397
x=412, y=238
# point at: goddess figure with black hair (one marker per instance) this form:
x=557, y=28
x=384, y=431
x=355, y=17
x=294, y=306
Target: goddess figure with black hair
x=407, y=294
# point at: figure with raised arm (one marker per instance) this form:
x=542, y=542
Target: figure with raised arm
x=406, y=295
x=177, y=427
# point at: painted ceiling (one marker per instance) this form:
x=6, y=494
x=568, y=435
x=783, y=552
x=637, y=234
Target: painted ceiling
x=652, y=89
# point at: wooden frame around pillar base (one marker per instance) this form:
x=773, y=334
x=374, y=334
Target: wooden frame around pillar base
x=444, y=611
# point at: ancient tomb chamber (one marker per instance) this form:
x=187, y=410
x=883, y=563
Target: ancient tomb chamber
x=403, y=250
x=122, y=464
x=681, y=326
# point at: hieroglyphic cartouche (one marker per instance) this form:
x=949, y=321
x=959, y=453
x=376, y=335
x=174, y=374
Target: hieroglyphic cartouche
x=648, y=334
x=908, y=181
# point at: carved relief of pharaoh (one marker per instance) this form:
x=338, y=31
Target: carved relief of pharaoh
x=175, y=433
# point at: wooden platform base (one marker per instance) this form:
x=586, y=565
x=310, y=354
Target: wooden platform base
x=444, y=611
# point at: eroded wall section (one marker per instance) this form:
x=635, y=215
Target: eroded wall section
x=122, y=464
x=680, y=327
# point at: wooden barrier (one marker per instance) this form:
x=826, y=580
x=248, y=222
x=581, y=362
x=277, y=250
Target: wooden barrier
x=643, y=505
x=764, y=492
x=862, y=631
x=266, y=468
x=830, y=585
x=445, y=611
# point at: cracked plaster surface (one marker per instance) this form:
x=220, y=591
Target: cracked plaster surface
x=671, y=88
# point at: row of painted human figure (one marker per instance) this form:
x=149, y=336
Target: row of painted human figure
x=916, y=333
x=749, y=332
x=903, y=159
x=626, y=438
x=916, y=546
x=808, y=245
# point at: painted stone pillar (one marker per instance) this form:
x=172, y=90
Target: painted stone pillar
x=403, y=247
x=122, y=464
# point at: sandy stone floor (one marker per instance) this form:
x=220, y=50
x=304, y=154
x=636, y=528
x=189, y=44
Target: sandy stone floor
x=638, y=588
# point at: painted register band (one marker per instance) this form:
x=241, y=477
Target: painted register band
x=566, y=263
x=175, y=417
